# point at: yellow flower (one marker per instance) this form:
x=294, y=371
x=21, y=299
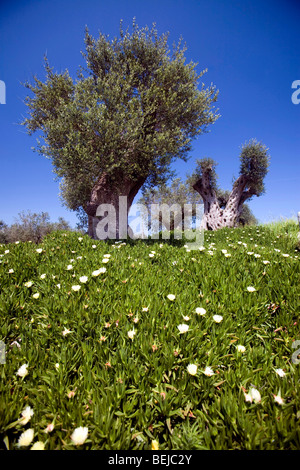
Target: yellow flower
x=155, y=445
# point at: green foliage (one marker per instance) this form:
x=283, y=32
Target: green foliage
x=31, y=227
x=254, y=165
x=205, y=166
x=133, y=109
x=84, y=370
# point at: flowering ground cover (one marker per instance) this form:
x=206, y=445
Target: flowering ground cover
x=144, y=345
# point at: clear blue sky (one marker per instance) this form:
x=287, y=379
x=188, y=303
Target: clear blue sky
x=250, y=47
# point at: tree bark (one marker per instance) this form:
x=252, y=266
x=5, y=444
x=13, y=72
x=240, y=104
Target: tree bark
x=214, y=217
x=119, y=194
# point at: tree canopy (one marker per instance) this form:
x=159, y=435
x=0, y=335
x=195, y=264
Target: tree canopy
x=133, y=109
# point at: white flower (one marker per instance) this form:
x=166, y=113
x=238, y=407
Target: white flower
x=6, y=252
x=36, y=295
x=26, y=438
x=192, y=369
x=200, y=311
x=42, y=276
x=217, y=318
x=145, y=309
x=266, y=261
x=79, y=435
x=11, y=271
x=241, y=348
x=58, y=285
x=94, y=246
x=39, y=250
x=151, y=255
x=69, y=267
x=171, y=297
x=251, y=289
x=183, y=328
x=49, y=428
x=285, y=255
x=28, y=284
x=208, y=371
x=66, y=332
x=106, y=256
x=83, y=279
x=57, y=365
x=131, y=333
x=98, y=271
x=38, y=446
x=278, y=399
x=80, y=239
x=105, y=260
x=250, y=252
x=224, y=251
x=76, y=288
x=257, y=255
x=22, y=371
x=26, y=415
x=280, y=372
x=227, y=255
x=255, y=395
x=186, y=318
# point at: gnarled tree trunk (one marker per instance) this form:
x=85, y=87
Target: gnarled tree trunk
x=214, y=216
x=119, y=194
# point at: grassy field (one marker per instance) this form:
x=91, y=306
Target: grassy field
x=146, y=345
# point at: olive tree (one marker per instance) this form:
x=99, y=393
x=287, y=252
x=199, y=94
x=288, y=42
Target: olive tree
x=133, y=109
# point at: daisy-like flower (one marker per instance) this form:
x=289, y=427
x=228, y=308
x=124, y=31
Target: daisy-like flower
x=171, y=297
x=49, y=428
x=224, y=251
x=66, y=332
x=278, y=399
x=240, y=348
x=257, y=255
x=23, y=370
x=38, y=446
x=183, y=328
x=39, y=250
x=80, y=239
x=57, y=366
x=42, y=276
x=280, y=372
x=186, y=318
x=58, y=285
x=28, y=284
x=98, y=271
x=11, y=271
x=26, y=438
x=145, y=309
x=254, y=395
x=83, y=279
x=6, y=252
x=105, y=260
x=217, y=318
x=76, y=288
x=151, y=255
x=227, y=255
x=192, y=369
x=69, y=267
x=131, y=333
x=266, y=261
x=200, y=311
x=26, y=415
x=107, y=256
x=94, y=246
x=251, y=289
x=285, y=255
x=79, y=436
x=36, y=295
x=208, y=371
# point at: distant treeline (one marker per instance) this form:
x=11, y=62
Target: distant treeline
x=30, y=226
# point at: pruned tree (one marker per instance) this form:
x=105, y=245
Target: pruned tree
x=133, y=110
x=254, y=163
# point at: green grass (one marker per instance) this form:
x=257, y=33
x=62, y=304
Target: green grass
x=129, y=392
